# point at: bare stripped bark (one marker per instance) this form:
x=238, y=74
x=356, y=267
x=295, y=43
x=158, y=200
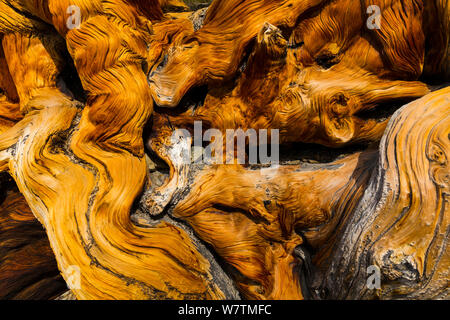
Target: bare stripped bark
x=88, y=123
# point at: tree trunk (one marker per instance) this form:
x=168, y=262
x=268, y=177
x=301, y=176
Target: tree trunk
x=115, y=123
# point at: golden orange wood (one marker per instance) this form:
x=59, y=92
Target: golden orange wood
x=28, y=268
x=310, y=68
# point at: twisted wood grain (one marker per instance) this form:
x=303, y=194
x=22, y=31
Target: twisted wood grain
x=309, y=68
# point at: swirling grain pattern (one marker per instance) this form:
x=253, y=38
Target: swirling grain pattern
x=311, y=69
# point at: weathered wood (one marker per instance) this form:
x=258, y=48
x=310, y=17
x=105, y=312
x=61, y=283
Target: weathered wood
x=401, y=224
x=85, y=111
x=28, y=267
